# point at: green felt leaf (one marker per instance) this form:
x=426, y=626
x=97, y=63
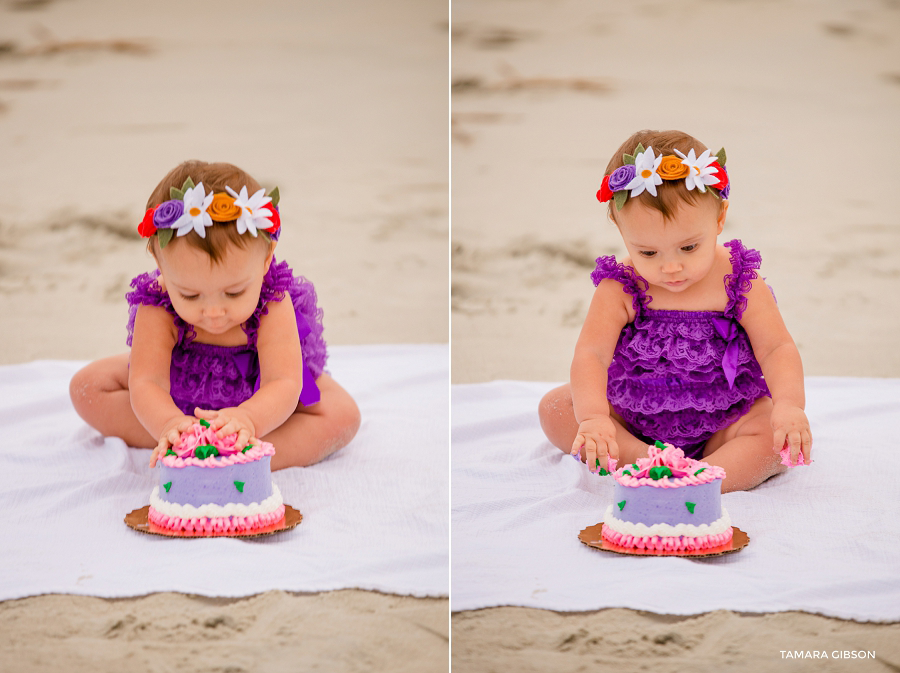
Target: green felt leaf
x=699, y=471
x=176, y=194
x=275, y=195
x=239, y=485
x=621, y=505
x=639, y=149
x=628, y=159
x=690, y=506
x=167, y=486
x=720, y=156
x=165, y=235
x=659, y=472
x=188, y=184
x=620, y=198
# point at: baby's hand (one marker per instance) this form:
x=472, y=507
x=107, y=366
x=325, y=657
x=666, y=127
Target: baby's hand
x=170, y=435
x=597, y=436
x=791, y=428
x=228, y=421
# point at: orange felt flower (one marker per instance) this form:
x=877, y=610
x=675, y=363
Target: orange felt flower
x=222, y=208
x=671, y=168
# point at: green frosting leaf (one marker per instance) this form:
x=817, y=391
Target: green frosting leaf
x=603, y=472
x=626, y=472
x=659, y=472
x=188, y=184
x=165, y=235
x=247, y=448
x=620, y=198
x=720, y=156
x=275, y=196
x=699, y=471
x=239, y=485
x=204, y=423
x=167, y=486
x=171, y=453
x=690, y=506
x=205, y=451
x=621, y=505
x=659, y=445
x=176, y=194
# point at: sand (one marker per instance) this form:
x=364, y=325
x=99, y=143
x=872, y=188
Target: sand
x=804, y=96
x=344, y=107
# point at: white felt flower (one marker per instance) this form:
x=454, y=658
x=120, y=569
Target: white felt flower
x=645, y=175
x=700, y=173
x=195, y=217
x=254, y=214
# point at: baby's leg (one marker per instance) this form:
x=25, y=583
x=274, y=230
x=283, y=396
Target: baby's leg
x=744, y=449
x=100, y=394
x=313, y=433
x=557, y=415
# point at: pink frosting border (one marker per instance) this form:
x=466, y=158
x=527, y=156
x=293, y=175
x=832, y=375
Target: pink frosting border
x=683, y=470
x=223, y=524
x=657, y=543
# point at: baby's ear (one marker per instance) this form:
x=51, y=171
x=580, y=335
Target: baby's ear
x=271, y=255
x=723, y=211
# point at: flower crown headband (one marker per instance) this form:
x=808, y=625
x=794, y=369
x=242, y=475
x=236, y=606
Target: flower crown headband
x=643, y=170
x=192, y=209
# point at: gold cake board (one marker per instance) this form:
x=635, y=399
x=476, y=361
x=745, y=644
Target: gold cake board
x=137, y=520
x=591, y=536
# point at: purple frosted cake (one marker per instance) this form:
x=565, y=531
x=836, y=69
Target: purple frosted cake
x=209, y=485
x=667, y=502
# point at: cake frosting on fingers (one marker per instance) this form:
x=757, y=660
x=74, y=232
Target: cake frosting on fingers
x=667, y=502
x=209, y=485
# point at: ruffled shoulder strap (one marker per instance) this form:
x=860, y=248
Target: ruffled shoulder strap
x=276, y=283
x=744, y=264
x=633, y=284
x=147, y=292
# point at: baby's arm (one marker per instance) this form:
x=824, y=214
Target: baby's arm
x=607, y=315
x=148, y=378
x=780, y=361
x=281, y=379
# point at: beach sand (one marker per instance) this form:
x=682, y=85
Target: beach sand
x=804, y=96
x=344, y=107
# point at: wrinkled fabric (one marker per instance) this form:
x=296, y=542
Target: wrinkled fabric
x=215, y=377
x=680, y=376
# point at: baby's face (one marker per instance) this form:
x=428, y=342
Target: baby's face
x=673, y=254
x=214, y=298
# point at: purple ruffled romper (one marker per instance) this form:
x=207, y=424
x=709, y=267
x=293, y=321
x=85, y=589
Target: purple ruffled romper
x=680, y=376
x=215, y=377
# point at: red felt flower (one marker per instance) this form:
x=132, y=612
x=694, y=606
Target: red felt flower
x=721, y=174
x=275, y=219
x=146, y=228
x=605, y=193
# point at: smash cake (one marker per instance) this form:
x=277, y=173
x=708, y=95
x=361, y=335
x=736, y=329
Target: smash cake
x=667, y=502
x=209, y=485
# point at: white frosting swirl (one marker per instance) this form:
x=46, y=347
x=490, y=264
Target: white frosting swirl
x=213, y=511
x=720, y=525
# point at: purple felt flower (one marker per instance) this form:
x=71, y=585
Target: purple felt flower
x=621, y=177
x=167, y=213
x=725, y=192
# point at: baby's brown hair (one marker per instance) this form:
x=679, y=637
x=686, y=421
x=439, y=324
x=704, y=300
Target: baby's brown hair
x=215, y=177
x=671, y=193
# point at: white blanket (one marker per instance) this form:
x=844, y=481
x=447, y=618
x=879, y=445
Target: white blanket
x=375, y=515
x=823, y=539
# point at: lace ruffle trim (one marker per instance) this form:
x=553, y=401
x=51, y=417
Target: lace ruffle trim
x=608, y=267
x=745, y=262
